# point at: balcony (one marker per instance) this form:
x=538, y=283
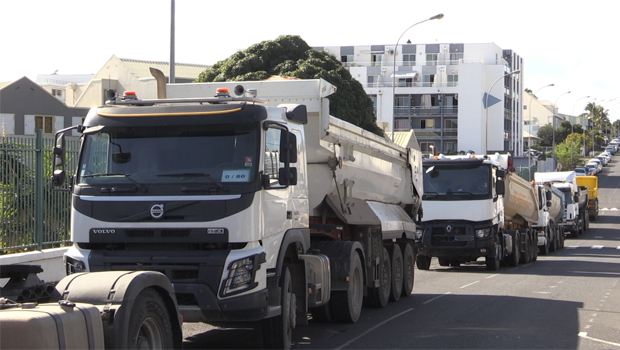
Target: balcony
x=426, y=111
x=428, y=134
x=390, y=63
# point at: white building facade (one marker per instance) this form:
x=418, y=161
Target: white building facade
x=439, y=90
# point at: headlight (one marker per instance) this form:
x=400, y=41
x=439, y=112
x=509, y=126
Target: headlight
x=481, y=233
x=74, y=266
x=419, y=233
x=240, y=276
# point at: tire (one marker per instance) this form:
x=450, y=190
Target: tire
x=409, y=262
x=526, y=256
x=149, y=323
x=347, y=305
x=534, y=242
x=553, y=234
x=396, y=257
x=492, y=262
x=379, y=297
x=423, y=262
x=278, y=330
x=323, y=313
x=515, y=255
x=544, y=249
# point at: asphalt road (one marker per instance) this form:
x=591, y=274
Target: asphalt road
x=569, y=299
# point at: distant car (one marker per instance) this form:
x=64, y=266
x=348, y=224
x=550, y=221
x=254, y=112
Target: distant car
x=590, y=169
x=610, y=149
x=582, y=171
x=607, y=155
x=596, y=165
x=603, y=159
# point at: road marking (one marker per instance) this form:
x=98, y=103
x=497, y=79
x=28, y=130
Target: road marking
x=372, y=329
x=497, y=274
x=597, y=247
x=585, y=336
x=435, y=298
x=541, y=292
x=467, y=285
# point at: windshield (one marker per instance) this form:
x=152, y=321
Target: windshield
x=459, y=181
x=214, y=154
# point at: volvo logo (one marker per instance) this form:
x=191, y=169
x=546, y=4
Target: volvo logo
x=449, y=228
x=157, y=211
x=103, y=231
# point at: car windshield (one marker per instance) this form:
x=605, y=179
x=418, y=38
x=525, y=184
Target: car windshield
x=150, y=155
x=457, y=181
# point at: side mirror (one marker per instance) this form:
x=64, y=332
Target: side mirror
x=58, y=178
x=59, y=150
x=500, y=187
x=288, y=147
x=287, y=176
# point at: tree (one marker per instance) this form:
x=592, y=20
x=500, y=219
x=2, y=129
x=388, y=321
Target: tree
x=290, y=56
x=545, y=134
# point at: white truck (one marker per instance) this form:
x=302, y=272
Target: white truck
x=256, y=209
x=550, y=212
x=476, y=206
x=575, y=219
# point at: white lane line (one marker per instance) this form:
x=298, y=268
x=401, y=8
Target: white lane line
x=585, y=336
x=597, y=247
x=497, y=274
x=435, y=298
x=372, y=329
x=467, y=285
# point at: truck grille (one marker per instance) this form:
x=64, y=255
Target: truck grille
x=441, y=237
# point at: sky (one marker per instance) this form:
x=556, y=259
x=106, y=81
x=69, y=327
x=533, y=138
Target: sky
x=570, y=44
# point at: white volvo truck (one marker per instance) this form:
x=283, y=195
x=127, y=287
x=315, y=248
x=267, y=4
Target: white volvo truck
x=476, y=206
x=256, y=209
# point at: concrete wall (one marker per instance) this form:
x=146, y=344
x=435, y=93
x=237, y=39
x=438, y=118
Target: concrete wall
x=49, y=259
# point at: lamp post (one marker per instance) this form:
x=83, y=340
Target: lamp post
x=439, y=16
x=529, y=131
x=553, y=122
x=486, y=106
x=572, y=139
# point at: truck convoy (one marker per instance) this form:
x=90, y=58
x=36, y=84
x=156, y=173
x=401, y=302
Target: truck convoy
x=590, y=183
x=255, y=209
x=575, y=219
x=476, y=206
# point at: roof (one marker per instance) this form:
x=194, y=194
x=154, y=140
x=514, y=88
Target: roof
x=4, y=84
x=529, y=136
x=182, y=70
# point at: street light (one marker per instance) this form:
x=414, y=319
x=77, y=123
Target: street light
x=572, y=139
x=529, y=131
x=486, y=106
x=555, y=104
x=439, y=16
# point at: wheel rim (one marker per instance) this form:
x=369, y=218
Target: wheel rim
x=149, y=335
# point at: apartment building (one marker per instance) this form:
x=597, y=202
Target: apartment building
x=440, y=91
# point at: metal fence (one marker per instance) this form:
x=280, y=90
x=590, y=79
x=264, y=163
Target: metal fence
x=33, y=216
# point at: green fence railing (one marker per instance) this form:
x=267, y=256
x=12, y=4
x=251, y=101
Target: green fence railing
x=32, y=215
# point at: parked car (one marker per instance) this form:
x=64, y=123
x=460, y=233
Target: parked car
x=603, y=159
x=607, y=156
x=610, y=149
x=596, y=165
x=582, y=171
x=590, y=169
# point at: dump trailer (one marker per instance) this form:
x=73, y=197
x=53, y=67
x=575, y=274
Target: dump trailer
x=575, y=220
x=476, y=206
x=256, y=203
x=591, y=184
x=550, y=212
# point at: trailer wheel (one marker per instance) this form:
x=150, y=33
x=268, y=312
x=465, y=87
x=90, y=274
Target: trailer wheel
x=323, y=313
x=423, y=262
x=544, y=249
x=526, y=255
x=149, y=324
x=554, y=243
x=278, y=330
x=347, y=305
x=409, y=262
x=397, y=272
x=534, y=242
x=595, y=216
x=515, y=254
x=379, y=297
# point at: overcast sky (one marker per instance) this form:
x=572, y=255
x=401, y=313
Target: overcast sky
x=570, y=44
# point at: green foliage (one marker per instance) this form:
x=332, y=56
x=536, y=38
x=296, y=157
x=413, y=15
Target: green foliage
x=291, y=56
x=568, y=153
x=545, y=134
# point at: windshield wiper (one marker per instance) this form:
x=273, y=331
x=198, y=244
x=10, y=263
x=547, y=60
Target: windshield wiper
x=208, y=176
x=127, y=176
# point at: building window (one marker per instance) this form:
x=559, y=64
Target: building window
x=449, y=147
x=376, y=60
x=455, y=58
x=402, y=124
x=453, y=79
x=402, y=105
x=56, y=92
x=373, y=81
x=409, y=59
x=44, y=123
x=425, y=147
x=373, y=98
x=427, y=124
x=407, y=82
x=347, y=60
x=431, y=59
x=428, y=80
